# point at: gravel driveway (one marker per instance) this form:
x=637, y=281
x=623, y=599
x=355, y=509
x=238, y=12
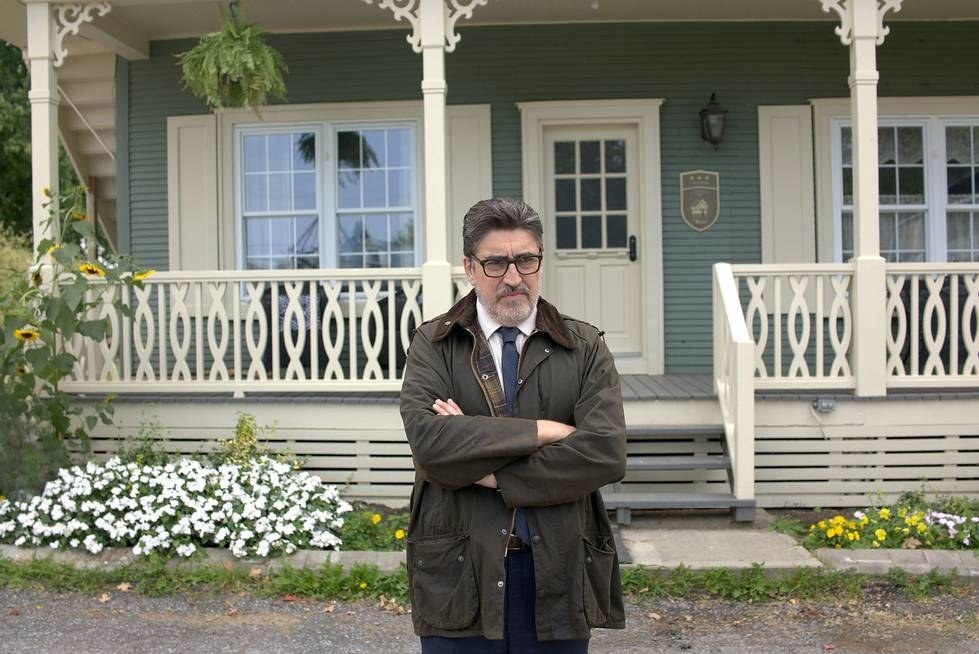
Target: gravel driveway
x=37, y=621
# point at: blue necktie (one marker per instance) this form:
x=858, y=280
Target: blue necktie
x=511, y=359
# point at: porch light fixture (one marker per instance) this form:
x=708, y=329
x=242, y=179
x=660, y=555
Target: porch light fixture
x=712, y=122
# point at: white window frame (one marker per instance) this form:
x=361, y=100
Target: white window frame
x=414, y=186
x=240, y=132
x=325, y=117
x=935, y=113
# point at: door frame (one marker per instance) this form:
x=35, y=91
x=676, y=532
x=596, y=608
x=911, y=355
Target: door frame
x=644, y=115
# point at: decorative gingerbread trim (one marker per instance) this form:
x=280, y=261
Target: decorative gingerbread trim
x=68, y=20
x=408, y=10
x=845, y=29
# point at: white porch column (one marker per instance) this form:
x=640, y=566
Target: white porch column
x=44, y=101
x=862, y=28
x=436, y=271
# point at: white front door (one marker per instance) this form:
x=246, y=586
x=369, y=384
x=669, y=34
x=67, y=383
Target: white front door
x=592, y=233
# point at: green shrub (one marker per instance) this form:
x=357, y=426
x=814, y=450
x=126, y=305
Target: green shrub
x=370, y=530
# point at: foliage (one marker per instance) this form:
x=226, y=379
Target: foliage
x=754, y=585
x=789, y=527
x=146, y=449
x=46, y=309
x=368, y=530
x=15, y=144
x=908, y=526
x=152, y=576
x=260, y=509
x=245, y=446
x=15, y=258
x=234, y=67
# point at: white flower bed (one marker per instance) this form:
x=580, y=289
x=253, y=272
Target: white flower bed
x=261, y=509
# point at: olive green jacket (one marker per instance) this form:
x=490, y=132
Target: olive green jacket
x=458, y=531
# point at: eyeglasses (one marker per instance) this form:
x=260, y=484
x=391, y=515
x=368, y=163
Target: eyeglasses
x=526, y=264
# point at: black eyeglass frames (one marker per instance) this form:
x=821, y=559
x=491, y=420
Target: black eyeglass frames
x=526, y=264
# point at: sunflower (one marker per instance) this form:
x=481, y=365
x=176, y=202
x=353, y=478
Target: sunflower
x=78, y=215
x=27, y=334
x=140, y=276
x=90, y=268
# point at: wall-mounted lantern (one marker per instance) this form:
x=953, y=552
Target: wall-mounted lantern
x=712, y=122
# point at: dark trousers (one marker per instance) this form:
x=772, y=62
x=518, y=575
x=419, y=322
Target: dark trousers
x=519, y=627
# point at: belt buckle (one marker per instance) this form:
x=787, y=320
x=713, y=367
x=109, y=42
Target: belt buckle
x=514, y=543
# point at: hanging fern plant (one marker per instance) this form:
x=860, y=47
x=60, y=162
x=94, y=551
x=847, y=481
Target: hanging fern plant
x=234, y=67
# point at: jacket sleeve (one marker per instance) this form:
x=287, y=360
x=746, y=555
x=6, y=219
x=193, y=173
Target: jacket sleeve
x=591, y=457
x=454, y=451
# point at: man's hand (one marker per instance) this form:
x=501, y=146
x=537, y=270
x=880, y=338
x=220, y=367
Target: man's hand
x=447, y=408
x=550, y=431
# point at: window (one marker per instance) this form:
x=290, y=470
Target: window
x=327, y=195
x=927, y=183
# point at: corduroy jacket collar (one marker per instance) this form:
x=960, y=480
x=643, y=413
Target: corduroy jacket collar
x=463, y=314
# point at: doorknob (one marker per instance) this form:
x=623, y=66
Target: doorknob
x=632, y=248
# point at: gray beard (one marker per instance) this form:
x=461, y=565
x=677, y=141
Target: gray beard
x=508, y=315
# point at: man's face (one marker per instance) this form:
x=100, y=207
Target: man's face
x=510, y=299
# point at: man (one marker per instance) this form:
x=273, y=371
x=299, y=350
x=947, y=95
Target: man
x=514, y=417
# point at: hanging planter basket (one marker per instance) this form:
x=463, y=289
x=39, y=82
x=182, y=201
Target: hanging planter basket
x=234, y=67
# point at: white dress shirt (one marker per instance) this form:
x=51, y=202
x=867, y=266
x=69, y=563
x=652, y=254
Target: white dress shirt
x=490, y=328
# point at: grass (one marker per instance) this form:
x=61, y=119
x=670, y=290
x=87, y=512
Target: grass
x=756, y=585
x=153, y=577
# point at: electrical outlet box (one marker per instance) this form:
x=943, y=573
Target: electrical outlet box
x=824, y=404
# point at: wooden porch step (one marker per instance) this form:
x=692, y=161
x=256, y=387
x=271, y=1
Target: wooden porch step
x=635, y=431
x=625, y=501
x=704, y=462
x=635, y=500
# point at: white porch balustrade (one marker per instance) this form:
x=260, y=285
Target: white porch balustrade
x=933, y=314
x=800, y=320
x=222, y=331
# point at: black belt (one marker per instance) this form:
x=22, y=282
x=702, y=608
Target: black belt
x=514, y=543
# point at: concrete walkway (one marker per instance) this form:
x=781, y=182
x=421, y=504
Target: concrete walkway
x=702, y=540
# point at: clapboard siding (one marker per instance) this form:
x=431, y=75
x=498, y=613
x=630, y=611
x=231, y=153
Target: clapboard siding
x=746, y=64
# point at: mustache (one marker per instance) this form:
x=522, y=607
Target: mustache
x=505, y=289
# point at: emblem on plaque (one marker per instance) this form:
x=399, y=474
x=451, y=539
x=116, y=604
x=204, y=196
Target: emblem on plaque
x=700, y=198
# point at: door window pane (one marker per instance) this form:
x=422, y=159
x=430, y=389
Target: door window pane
x=615, y=193
x=615, y=156
x=591, y=232
x=564, y=158
x=567, y=232
x=615, y=227
x=591, y=194
x=591, y=157
x=564, y=195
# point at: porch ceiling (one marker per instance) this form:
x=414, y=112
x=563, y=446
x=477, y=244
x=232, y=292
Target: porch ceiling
x=163, y=19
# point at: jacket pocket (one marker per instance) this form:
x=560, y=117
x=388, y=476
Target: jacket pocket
x=597, y=580
x=443, y=581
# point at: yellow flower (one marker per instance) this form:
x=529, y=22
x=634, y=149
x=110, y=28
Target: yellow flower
x=922, y=528
x=822, y=524
x=56, y=246
x=363, y=585
x=874, y=544
x=885, y=514
x=375, y=518
x=90, y=268
x=399, y=534
x=27, y=334
x=140, y=276
x=880, y=534
x=78, y=215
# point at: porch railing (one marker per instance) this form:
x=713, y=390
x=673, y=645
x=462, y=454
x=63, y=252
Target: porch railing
x=933, y=319
x=255, y=330
x=734, y=380
x=800, y=321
